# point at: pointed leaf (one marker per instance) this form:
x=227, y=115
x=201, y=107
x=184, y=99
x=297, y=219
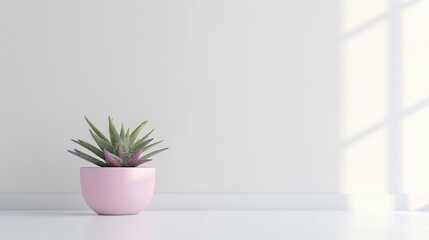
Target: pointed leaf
x=153, y=153
x=152, y=145
x=126, y=142
x=100, y=134
x=127, y=135
x=112, y=160
x=122, y=134
x=90, y=147
x=137, y=154
x=148, y=134
x=144, y=138
x=114, y=135
x=137, y=147
x=88, y=158
x=101, y=142
x=137, y=162
x=136, y=132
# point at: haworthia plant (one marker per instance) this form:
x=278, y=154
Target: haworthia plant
x=119, y=150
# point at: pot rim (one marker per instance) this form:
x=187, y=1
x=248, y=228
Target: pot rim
x=118, y=168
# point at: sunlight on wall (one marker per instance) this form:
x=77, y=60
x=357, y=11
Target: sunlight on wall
x=364, y=85
x=364, y=99
x=416, y=152
x=385, y=135
x=415, y=53
x=356, y=13
x=365, y=164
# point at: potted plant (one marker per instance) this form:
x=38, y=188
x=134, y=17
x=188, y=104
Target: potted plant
x=117, y=186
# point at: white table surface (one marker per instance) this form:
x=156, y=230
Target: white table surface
x=190, y=225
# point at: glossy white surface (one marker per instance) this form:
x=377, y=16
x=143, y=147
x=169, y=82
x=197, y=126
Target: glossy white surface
x=189, y=225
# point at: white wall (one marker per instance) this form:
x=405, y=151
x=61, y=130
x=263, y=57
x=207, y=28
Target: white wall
x=250, y=96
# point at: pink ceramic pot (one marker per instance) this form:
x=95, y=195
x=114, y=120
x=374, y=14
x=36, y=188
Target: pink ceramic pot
x=117, y=190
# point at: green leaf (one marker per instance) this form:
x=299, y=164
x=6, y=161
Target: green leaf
x=88, y=158
x=122, y=134
x=96, y=130
x=126, y=146
x=127, y=135
x=126, y=138
x=144, y=138
x=136, y=132
x=90, y=147
x=148, y=134
x=152, y=145
x=101, y=142
x=153, y=153
x=114, y=135
x=137, y=147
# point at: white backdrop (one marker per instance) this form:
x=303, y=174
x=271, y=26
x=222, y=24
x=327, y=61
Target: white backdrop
x=250, y=96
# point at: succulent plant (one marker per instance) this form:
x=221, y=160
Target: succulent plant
x=123, y=149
